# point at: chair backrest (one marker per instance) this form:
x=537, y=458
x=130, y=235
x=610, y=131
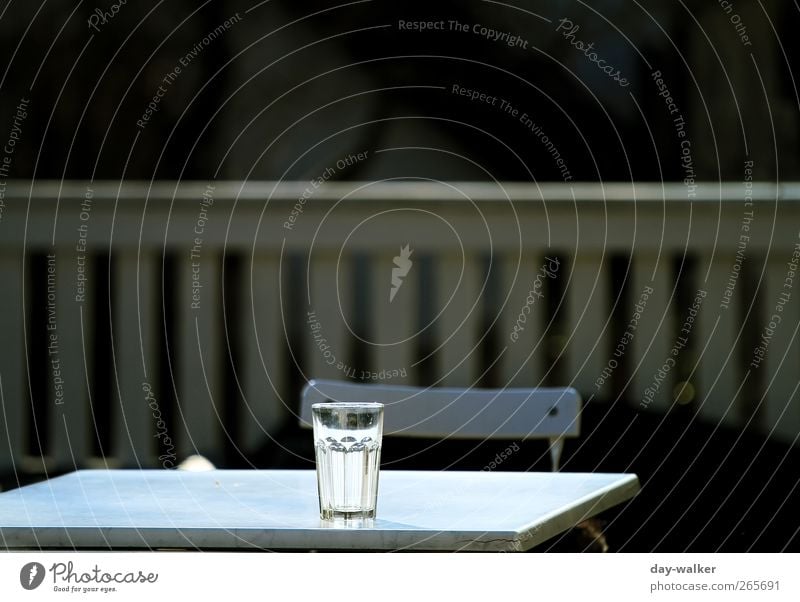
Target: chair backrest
x=541, y=413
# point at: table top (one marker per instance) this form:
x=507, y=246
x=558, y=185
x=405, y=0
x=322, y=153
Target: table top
x=278, y=509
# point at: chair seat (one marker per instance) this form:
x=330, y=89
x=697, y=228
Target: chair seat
x=459, y=413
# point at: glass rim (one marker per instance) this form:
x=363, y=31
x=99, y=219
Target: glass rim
x=348, y=405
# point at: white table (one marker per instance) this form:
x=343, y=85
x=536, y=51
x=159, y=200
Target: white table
x=277, y=509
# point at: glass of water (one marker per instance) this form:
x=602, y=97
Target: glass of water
x=347, y=444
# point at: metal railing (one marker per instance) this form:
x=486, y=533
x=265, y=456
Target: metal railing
x=142, y=322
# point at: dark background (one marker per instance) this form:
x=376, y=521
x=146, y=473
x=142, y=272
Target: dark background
x=264, y=101
x=226, y=113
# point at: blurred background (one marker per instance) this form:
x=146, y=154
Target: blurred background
x=187, y=188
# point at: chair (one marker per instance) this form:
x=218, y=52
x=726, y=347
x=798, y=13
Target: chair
x=544, y=413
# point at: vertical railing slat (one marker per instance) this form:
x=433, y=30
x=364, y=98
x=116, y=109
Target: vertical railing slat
x=263, y=338
x=587, y=331
x=325, y=335
x=199, y=351
x=394, y=328
x=71, y=424
x=521, y=322
x=717, y=376
x=781, y=364
x=138, y=408
x=650, y=345
x=457, y=332
x=12, y=369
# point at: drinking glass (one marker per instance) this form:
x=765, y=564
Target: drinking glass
x=347, y=445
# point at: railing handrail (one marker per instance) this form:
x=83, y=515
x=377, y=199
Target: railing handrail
x=290, y=191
